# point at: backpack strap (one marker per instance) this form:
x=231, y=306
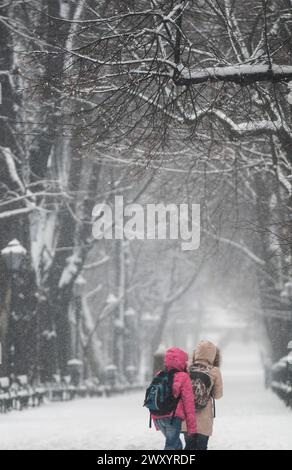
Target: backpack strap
x=208, y=367
x=150, y=421
x=174, y=411
x=214, y=407
x=173, y=372
x=173, y=415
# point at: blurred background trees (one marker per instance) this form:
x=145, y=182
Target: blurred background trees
x=173, y=101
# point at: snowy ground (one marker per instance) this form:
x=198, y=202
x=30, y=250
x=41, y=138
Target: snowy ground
x=248, y=417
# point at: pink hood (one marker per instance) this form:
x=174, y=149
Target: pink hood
x=175, y=358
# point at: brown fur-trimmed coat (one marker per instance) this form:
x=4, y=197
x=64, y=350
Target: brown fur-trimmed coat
x=207, y=353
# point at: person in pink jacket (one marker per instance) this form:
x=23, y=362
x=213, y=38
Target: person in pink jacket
x=170, y=425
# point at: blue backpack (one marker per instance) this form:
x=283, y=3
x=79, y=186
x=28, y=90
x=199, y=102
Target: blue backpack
x=159, y=398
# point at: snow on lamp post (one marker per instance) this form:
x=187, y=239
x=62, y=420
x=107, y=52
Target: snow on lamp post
x=13, y=255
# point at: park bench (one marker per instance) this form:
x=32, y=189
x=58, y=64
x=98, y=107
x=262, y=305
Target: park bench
x=282, y=379
x=94, y=389
x=117, y=389
x=18, y=393
x=40, y=393
x=62, y=389
x=57, y=389
x=70, y=389
x=79, y=390
x=6, y=398
x=25, y=393
x=28, y=394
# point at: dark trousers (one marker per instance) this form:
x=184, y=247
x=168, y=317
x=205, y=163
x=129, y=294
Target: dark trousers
x=196, y=442
x=170, y=428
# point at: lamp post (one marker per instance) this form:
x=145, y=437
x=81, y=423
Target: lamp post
x=79, y=287
x=75, y=365
x=13, y=255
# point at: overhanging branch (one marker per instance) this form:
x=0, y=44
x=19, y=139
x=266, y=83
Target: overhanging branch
x=241, y=73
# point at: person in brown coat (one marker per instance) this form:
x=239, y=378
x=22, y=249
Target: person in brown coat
x=206, y=357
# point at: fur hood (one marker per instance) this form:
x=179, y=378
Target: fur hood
x=207, y=351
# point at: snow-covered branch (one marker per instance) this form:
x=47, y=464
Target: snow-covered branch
x=240, y=73
x=96, y=264
x=10, y=163
x=15, y=212
x=243, y=248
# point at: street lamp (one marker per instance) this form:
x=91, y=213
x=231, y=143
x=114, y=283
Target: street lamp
x=13, y=255
x=75, y=364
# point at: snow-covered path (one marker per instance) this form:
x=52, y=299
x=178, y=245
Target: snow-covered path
x=248, y=417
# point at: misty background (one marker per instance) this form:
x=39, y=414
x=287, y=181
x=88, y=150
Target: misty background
x=160, y=102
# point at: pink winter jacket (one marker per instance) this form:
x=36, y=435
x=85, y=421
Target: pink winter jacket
x=177, y=359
